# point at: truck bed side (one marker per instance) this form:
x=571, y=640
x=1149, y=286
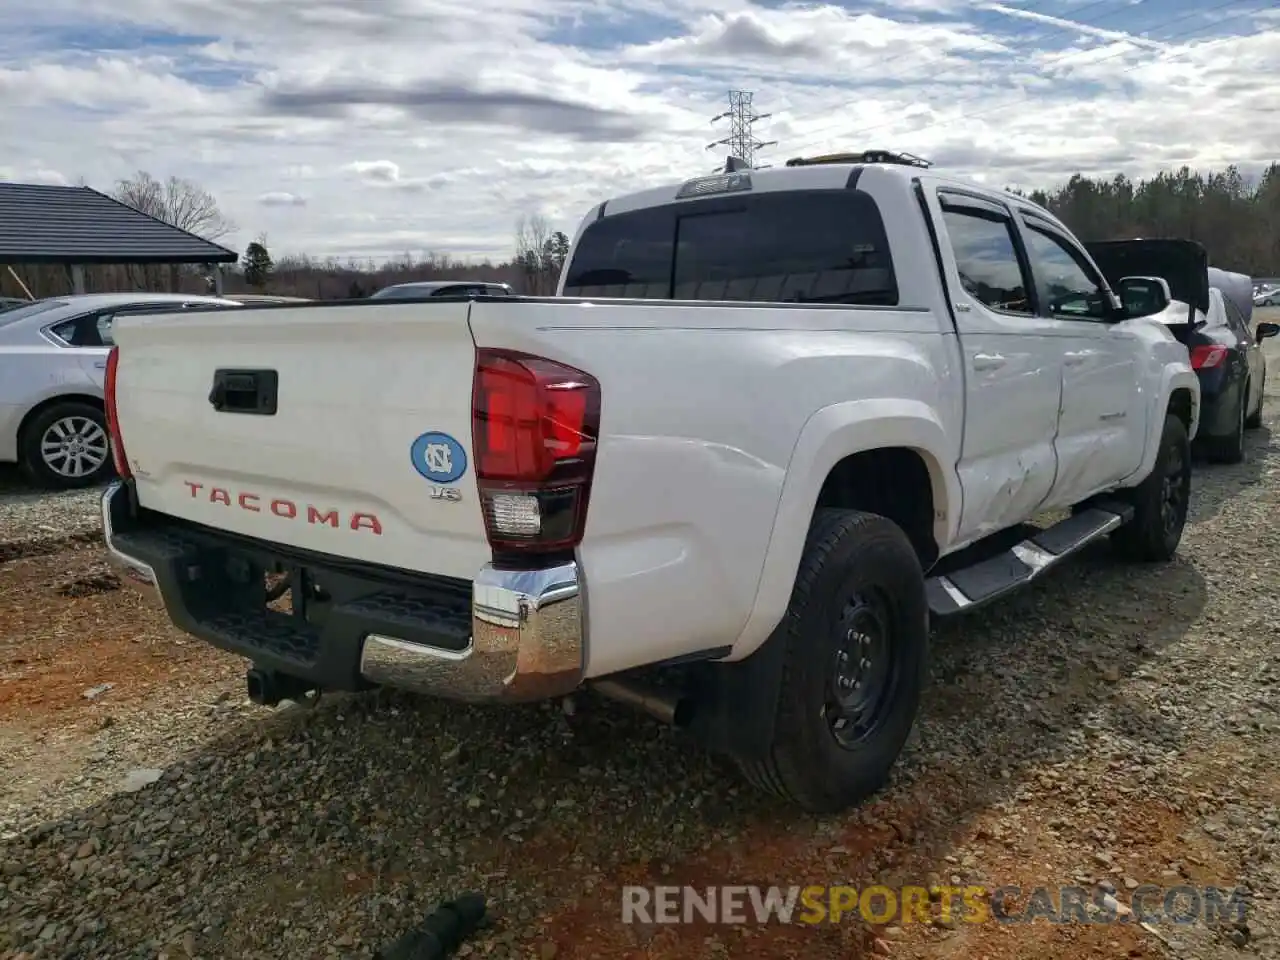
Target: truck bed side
x=704, y=408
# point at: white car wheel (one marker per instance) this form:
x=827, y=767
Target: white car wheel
x=65, y=446
x=74, y=447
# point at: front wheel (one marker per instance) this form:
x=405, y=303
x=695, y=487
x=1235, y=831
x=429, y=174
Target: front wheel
x=856, y=634
x=1161, y=502
x=65, y=446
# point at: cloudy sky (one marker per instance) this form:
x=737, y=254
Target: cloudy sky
x=368, y=128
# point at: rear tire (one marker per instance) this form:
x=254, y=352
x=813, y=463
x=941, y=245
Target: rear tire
x=1160, y=502
x=856, y=635
x=62, y=438
x=1230, y=449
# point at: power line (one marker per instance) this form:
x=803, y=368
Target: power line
x=1062, y=59
x=741, y=140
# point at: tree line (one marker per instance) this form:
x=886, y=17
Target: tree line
x=1235, y=216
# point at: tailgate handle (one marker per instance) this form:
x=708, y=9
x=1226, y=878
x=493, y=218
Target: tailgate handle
x=245, y=391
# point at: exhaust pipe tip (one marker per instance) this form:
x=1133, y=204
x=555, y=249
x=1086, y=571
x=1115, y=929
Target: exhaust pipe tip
x=663, y=705
x=267, y=688
x=260, y=688
x=682, y=712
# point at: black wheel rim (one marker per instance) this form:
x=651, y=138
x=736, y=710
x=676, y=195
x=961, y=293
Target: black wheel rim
x=1173, y=500
x=864, y=670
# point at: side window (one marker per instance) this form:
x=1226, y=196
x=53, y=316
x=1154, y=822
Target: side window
x=1235, y=318
x=91, y=330
x=1074, y=294
x=102, y=324
x=987, y=259
x=66, y=331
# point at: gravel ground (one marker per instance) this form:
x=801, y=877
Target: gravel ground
x=33, y=521
x=1113, y=725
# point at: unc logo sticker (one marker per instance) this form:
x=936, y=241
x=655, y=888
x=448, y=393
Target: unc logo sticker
x=438, y=457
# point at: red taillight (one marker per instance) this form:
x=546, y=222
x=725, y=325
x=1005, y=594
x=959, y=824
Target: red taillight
x=1208, y=356
x=113, y=417
x=535, y=424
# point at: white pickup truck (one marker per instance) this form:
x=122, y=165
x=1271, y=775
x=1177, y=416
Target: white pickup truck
x=772, y=422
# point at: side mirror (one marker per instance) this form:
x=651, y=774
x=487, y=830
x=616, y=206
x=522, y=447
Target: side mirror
x=1264, y=330
x=1143, y=296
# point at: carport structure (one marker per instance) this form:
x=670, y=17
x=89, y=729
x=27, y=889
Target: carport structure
x=78, y=227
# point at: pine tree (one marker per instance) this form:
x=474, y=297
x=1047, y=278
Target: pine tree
x=257, y=263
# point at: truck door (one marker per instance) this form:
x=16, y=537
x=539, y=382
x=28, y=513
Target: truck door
x=1012, y=364
x=1103, y=421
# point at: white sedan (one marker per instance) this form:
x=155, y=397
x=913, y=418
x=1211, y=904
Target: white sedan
x=53, y=358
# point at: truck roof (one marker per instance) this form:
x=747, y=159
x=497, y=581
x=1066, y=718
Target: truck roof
x=829, y=171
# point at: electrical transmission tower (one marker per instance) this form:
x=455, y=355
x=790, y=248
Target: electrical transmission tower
x=741, y=140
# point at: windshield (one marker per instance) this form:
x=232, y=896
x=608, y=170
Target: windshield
x=30, y=310
x=803, y=246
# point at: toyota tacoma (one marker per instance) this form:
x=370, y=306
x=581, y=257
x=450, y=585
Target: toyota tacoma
x=772, y=423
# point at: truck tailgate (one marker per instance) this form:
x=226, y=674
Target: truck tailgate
x=366, y=455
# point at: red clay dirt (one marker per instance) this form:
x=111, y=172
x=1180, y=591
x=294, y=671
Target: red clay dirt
x=900, y=850
x=67, y=625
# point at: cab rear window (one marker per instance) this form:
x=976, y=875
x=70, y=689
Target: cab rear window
x=816, y=246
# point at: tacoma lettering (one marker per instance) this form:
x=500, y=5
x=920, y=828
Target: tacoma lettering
x=315, y=516
x=286, y=509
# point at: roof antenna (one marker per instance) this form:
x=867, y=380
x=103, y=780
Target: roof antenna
x=735, y=164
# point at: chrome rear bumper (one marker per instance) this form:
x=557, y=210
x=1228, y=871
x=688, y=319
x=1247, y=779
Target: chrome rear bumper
x=527, y=642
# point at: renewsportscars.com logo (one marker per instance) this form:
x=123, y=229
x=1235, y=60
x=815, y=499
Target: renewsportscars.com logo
x=882, y=905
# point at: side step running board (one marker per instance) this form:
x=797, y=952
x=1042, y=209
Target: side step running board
x=963, y=590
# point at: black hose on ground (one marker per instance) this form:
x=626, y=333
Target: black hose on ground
x=441, y=933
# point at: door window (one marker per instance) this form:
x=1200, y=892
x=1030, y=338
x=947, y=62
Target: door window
x=1074, y=294
x=990, y=270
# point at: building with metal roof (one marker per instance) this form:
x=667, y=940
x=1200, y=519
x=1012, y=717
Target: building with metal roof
x=41, y=224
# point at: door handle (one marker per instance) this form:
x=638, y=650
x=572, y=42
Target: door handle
x=988, y=361
x=100, y=364
x=245, y=391
x=1074, y=358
